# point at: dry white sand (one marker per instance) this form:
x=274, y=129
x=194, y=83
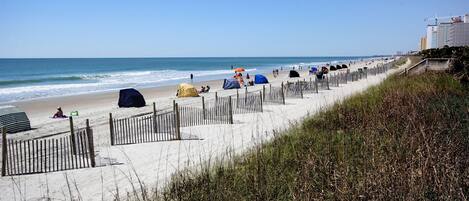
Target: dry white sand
x=154, y=163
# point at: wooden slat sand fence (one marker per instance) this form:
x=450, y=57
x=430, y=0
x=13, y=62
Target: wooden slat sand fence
x=209, y=111
x=334, y=80
x=293, y=89
x=145, y=128
x=273, y=95
x=308, y=86
x=353, y=76
x=380, y=68
x=322, y=84
x=342, y=77
x=247, y=102
x=71, y=151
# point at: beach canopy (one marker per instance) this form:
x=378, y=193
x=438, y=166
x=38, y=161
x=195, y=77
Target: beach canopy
x=187, y=90
x=231, y=83
x=314, y=69
x=13, y=119
x=294, y=73
x=238, y=70
x=324, y=70
x=260, y=79
x=131, y=98
x=332, y=68
x=344, y=66
x=338, y=67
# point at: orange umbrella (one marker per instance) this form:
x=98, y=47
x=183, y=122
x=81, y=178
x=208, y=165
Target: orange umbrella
x=239, y=70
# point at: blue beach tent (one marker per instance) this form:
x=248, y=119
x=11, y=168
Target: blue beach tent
x=131, y=98
x=231, y=83
x=314, y=69
x=260, y=79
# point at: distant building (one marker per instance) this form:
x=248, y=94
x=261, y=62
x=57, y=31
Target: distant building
x=443, y=34
x=459, y=34
x=451, y=33
x=423, y=43
x=431, y=36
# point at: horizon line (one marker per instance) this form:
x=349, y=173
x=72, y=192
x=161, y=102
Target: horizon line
x=188, y=57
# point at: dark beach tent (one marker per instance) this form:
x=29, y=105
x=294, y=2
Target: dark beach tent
x=231, y=83
x=294, y=73
x=332, y=68
x=320, y=75
x=338, y=67
x=131, y=98
x=13, y=119
x=324, y=70
x=344, y=66
x=260, y=79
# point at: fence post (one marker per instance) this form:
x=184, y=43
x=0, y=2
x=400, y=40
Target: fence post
x=89, y=133
x=4, y=151
x=203, y=107
x=72, y=133
x=230, y=107
x=154, y=117
x=301, y=88
x=283, y=95
x=263, y=92
x=178, y=123
x=260, y=94
x=316, y=85
x=111, y=128
x=336, y=80
x=237, y=98
x=327, y=82
x=245, y=95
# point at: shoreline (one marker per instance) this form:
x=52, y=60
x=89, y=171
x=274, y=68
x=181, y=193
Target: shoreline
x=97, y=86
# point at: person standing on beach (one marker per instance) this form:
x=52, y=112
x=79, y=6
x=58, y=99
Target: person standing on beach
x=192, y=77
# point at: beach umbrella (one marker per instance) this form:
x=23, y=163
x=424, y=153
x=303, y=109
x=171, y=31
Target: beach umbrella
x=240, y=69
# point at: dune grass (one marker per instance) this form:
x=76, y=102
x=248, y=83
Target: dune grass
x=405, y=139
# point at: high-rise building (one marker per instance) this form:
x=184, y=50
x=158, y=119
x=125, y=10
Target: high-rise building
x=431, y=36
x=450, y=33
x=443, y=34
x=459, y=34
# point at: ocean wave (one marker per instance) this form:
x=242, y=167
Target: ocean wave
x=14, y=90
x=39, y=80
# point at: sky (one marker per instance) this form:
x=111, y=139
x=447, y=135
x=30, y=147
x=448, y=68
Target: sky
x=218, y=28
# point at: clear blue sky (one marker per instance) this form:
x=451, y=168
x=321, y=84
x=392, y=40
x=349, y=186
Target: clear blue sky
x=115, y=28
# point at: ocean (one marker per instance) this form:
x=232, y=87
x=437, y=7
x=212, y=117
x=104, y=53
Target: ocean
x=26, y=79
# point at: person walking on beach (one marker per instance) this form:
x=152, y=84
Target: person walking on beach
x=192, y=77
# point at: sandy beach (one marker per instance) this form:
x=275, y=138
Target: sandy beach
x=154, y=163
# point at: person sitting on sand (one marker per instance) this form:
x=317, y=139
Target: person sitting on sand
x=59, y=113
x=202, y=89
x=207, y=89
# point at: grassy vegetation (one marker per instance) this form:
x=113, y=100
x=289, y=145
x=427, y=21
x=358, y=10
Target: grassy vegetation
x=406, y=139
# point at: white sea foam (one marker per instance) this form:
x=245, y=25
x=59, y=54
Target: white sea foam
x=107, y=81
